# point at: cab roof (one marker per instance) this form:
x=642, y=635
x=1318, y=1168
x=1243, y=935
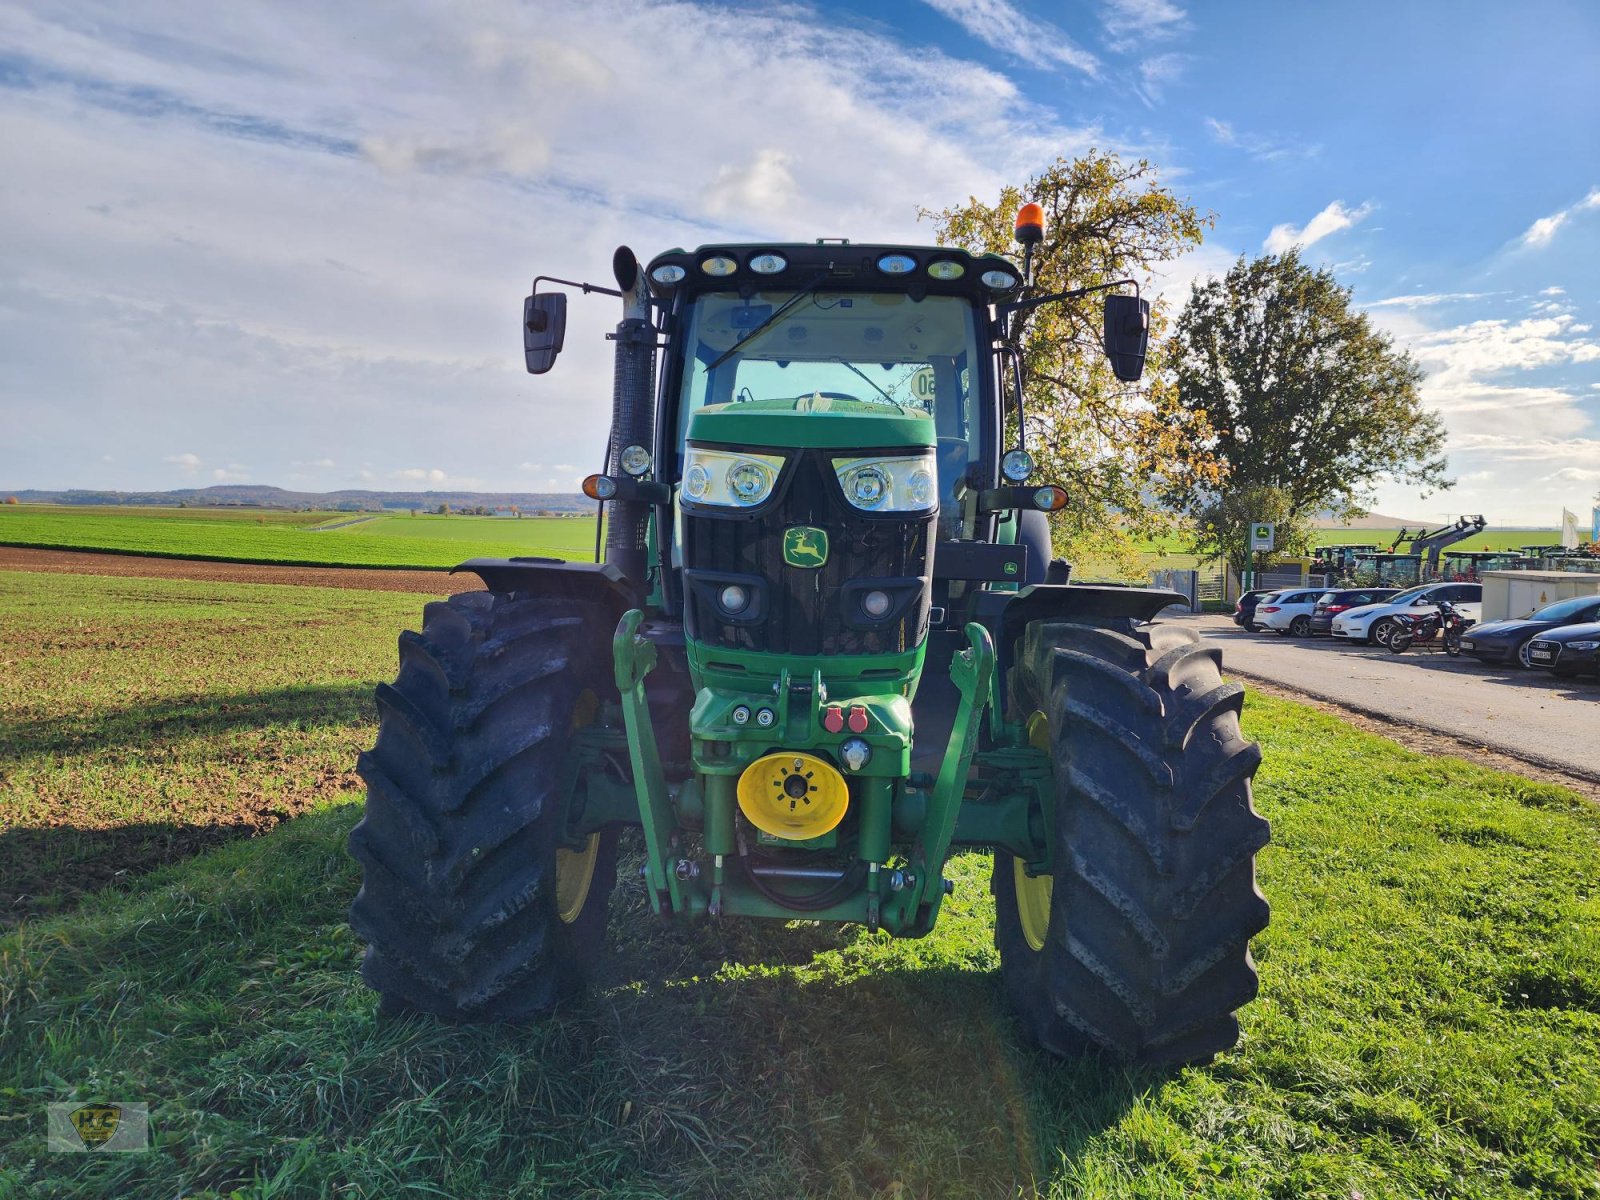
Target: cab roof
x=840, y=264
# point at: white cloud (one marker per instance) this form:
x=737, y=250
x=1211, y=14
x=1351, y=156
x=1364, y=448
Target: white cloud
x=1002, y=25
x=1554, y=291
x=187, y=463
x=294, y=229
x=422, y=474
x=1132, y=23
x=530, y=466
x=1257, y=146
x=563, y=467
x=232, y=473
x=1329, y=221
x=1157, y=72
x=1543, y=231
x=1424, y=299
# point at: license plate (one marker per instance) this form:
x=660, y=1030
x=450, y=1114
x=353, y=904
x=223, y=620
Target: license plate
x=1541, y=655
x=1466, y=643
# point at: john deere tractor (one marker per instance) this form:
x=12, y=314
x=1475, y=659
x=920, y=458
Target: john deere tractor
x=827, y=645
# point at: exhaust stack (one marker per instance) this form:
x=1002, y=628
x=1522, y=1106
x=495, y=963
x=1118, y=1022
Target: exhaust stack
x=632, y=413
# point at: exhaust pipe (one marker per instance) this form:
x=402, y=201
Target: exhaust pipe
x=633, y=420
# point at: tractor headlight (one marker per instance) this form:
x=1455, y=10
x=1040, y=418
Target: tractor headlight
x=724, y=478
x=888, y=484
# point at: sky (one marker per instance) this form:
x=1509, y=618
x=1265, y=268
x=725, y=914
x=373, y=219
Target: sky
x=287, y=242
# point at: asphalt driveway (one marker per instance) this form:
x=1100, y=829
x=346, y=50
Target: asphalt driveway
x=1527, y=714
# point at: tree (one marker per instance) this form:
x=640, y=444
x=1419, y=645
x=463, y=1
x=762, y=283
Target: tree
x=1308, y=405
x=1110, y=445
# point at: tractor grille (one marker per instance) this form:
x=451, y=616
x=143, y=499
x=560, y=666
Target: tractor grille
x=807, y=610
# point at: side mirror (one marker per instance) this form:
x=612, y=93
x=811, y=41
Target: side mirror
x=1127, y=321
x=544, y=330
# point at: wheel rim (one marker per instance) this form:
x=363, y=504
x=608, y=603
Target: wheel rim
x=574, y=874
x=1033, y=892
x=575, y=868
x=1383, y=632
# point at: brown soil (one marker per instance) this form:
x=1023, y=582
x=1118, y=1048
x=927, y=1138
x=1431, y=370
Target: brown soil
x=86, y=562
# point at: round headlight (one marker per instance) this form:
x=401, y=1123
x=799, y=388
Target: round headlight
x=720, y=264
x=635, y=460
x=749, y=481
x=897, y=264
x=875, y=603
x=734, y=598
x=1017, y=465
x=768, y=264
x=741, y=714
x=869, y=486
x=668, y=273
x=1000, y=281
x=919, y=488
x=765, y=718
x=946, y=268
x=696, y=482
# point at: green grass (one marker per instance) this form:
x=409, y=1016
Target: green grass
x=1429, y=1023
x=389, y=540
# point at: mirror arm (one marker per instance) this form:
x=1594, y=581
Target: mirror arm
x=587, y=287
x=1033, y=302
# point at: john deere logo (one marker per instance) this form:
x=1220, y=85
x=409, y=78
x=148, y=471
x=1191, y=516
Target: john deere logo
x=95, y=1123
x=804, y=546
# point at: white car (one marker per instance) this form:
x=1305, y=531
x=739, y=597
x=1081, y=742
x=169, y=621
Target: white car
x=1289, y=612
x=1375, y=622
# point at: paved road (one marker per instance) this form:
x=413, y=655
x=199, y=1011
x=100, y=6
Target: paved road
x=1527, y=714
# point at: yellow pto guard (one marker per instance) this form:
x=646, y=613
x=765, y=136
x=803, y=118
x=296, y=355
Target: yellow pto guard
x=793, y=795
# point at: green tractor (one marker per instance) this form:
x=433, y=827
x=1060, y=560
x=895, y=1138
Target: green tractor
x=827, y=646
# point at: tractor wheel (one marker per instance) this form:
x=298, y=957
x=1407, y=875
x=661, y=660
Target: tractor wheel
x=1140, y=943
x=471, y=908
x=1300, y=627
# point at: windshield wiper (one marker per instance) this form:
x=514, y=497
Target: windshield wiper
x=778, y=314
x=851, y=367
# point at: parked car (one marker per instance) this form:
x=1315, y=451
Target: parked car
x=1289, y=611
x=1331, y=604
x=1244, y=612
x=1569, y=650
x=1373, y=623
x=1512, y=641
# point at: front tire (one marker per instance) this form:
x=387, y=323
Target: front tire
x=1140, y=942
x=471, y=907
x=1300, y=627
x=1382, y=631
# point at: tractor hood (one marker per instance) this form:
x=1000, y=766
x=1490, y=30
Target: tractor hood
x=814, y=421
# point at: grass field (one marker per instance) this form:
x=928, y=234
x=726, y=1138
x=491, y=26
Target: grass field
x=388, y=540
x=1429, y=1023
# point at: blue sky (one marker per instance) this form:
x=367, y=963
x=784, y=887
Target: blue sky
x=286, y=243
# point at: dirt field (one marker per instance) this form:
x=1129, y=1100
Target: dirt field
x=74, y=562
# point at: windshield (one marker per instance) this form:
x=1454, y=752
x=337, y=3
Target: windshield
x=875, y=347
x=1563, y=610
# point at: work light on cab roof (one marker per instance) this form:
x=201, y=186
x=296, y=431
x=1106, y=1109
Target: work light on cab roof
x=827, y=645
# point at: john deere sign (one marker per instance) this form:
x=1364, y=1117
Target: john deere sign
x=1261, y=536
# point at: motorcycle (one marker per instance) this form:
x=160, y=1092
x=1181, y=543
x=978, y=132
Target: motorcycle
x=1446, y=618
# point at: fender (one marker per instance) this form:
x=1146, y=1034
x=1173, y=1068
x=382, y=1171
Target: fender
x=599, y=583
x=1007, y=615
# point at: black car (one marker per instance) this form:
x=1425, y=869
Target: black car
x=1512, y=641
x=1330, y=604
x=1244, y=612
x=1569, y=650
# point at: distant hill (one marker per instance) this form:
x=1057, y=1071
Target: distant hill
x=249, y=495
x=1370, y=521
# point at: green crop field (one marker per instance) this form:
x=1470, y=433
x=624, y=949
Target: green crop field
x=307, y=539
x=1429, y=1022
